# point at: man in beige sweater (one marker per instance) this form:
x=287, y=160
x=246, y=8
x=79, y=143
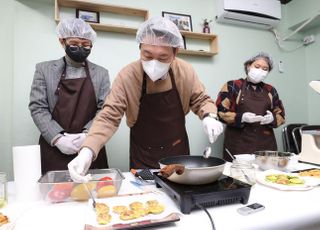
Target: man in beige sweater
x=155, y=93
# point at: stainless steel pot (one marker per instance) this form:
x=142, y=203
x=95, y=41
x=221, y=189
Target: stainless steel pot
x=198, y=170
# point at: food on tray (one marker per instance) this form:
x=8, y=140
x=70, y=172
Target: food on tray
x=3, y=219
x=152, y=203
x=136, y=205
x=102, y=212
x=156, y=209
x=168, y=170
x=312, y=172
x=134, y=210
x=80, y=193
x=102, y=208
x=128, y=215
x=103, y=218
x=140, y=212
x=119, y=209
x=106, y=191
x=284, y=179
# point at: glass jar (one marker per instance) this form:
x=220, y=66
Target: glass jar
x=3, y=189
x=243, y=170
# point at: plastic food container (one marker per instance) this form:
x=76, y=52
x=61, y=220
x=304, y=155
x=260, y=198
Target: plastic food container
x=57, y=186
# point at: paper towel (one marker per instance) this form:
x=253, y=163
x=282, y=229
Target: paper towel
x=27, y=171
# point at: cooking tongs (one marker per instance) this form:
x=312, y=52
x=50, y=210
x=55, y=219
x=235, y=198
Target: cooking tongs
x=88, y=190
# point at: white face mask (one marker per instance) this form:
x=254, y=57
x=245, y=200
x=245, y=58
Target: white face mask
x=256, y=75
x=155, y=69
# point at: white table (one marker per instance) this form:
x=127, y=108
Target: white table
x=284, y=210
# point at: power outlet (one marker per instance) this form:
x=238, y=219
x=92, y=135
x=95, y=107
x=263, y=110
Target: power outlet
x=308, y=39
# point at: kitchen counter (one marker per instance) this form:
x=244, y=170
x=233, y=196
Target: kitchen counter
x=283, y=210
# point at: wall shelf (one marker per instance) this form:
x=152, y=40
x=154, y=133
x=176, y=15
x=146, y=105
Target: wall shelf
x=129, y=11
x=100, y=7
x=212, y=38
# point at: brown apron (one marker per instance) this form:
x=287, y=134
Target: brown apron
x=75, y=107
x=253, y=136
x=160, y=128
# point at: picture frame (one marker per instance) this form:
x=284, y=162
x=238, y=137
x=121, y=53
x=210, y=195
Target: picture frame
x=183, y=21
x=184, y=42
x=88, y=16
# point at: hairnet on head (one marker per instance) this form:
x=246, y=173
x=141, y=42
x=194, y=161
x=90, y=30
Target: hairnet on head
x=75, y=28
x=159, y=31
x=261, y=55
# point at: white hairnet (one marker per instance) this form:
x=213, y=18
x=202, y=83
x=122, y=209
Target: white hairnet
x=76, y=28
x=159, y=31
x=261, y=55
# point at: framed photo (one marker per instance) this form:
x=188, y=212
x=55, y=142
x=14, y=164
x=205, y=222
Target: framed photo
x=88, y=16
x=183, y=21
x=184, y=42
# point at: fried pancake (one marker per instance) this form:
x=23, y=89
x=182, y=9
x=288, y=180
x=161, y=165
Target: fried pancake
x=119, y=209
x=103, y=218
x=128, y=215
x=136, y=205
x=152, y=203
x=3, y=219
x=157, y=209
x=102, y=208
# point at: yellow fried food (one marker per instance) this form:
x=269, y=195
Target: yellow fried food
x=119, y=209
x=152, y=203
x=103, y=218
x=156, y=209
x=3, y=219
x=102, y=208
x=140, y=212
x=106, y=191
x=80, y=193
x=128, y=215
x=136, y=205
x=312, y=172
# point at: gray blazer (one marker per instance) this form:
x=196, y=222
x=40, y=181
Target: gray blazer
x=43, y=98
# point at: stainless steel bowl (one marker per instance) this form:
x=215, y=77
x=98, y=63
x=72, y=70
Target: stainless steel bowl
x=273, y=159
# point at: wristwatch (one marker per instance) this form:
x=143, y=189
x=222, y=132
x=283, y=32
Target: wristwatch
x=212, y=115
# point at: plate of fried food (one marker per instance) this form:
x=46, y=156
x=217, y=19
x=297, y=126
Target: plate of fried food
x=132, y=211
x=284, y=181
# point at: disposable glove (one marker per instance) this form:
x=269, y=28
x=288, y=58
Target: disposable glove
x=267, y=119
x=249, y=117
x=78, y=138
x=65, y=145
x=79, y=166
x=212, y=128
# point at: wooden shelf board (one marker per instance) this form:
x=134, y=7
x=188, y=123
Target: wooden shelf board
x=196, y=53
x=101, y=7
x=112, y=28
x=195, y=35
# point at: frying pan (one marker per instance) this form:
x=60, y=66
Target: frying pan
x=198, y=170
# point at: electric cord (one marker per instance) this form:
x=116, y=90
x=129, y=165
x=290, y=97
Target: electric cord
x=204, y=209
x=279, y=39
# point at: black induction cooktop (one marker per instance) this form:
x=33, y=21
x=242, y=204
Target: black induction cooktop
x=225, y=190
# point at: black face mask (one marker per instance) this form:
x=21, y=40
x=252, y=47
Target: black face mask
x=77, y=53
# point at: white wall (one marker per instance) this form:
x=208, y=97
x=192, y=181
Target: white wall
x=6, y=78
x=35, y=41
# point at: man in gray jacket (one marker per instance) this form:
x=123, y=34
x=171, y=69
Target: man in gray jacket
x=65, y=96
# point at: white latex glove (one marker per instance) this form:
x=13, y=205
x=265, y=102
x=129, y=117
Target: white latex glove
x=79, y=166
x=249, y=117
x=65, y=145
x=212, y=128
x=78, y=138
x=267, y=119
